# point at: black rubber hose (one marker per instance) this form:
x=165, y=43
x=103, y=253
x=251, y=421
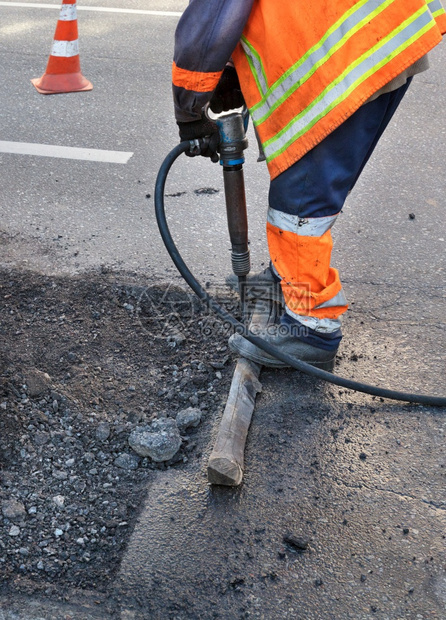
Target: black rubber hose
x=434, y=401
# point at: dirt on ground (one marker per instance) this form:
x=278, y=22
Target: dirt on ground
x=84, y=361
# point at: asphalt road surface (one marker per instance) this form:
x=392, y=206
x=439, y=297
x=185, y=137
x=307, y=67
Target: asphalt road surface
x=362, y=479
x=67, y=215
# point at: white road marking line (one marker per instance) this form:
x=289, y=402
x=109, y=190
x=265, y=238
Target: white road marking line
x=105, y=9
x=65, y=152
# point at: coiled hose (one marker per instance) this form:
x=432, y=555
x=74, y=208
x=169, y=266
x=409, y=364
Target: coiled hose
x=433, y=401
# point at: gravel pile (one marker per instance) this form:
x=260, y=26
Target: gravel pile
x=88, y=411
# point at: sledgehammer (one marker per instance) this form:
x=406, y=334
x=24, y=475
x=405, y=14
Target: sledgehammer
x=225, y=464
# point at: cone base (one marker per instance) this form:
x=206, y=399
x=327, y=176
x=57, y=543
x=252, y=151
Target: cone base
x=53, y=84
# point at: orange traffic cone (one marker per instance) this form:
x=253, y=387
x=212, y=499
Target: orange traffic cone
x=63, y=72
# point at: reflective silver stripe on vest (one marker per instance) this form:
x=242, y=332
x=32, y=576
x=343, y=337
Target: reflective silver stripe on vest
x=325, y=326
x=435, y=7
x=337, y=300
x=256, y=66
x=336, y=36
x=339, y=90
x=305, y=226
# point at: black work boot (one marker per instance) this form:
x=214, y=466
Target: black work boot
x=281, y=336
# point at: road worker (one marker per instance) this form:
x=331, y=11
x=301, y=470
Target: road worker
x=321, y=81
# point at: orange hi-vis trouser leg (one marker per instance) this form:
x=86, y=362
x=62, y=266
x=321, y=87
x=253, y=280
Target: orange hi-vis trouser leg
x=305, y=201
x=311, y=287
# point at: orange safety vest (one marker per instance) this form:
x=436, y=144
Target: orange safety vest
x=308, y=65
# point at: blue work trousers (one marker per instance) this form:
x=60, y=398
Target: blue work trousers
x=304, y=202
x=317, y=185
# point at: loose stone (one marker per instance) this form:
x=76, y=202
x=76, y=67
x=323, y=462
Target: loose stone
x=37, y=382
x=160, y=441
x=103, y=431
x=187, y=418
x=13, y=509
x=60, y=475
x=59, y=500
x=41, y=438
x=299, y=543
x=126, y=461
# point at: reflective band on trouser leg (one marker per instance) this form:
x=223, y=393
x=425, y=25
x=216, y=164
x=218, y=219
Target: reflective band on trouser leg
x=300, y=251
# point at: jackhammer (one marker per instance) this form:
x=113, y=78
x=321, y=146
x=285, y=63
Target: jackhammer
x=232, y=144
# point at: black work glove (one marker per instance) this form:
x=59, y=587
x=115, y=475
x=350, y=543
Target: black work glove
x=227, y=94
x=205, y=132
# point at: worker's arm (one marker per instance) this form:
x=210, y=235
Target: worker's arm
x=205, y=38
